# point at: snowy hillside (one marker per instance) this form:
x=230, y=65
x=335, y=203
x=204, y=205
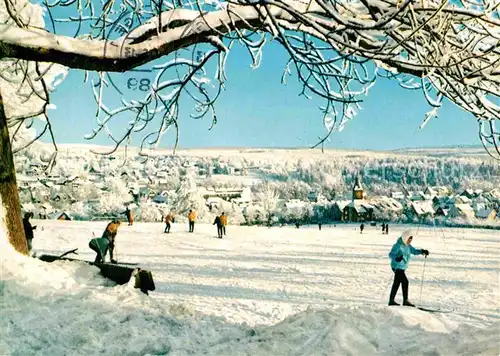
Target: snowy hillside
x=259, y=291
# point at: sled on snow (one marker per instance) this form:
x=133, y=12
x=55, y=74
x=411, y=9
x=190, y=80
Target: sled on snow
x=117, y=272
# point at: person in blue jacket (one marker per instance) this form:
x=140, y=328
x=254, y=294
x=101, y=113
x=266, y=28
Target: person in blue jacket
x=400, y=257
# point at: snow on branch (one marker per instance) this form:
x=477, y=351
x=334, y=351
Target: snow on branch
x=337, y=49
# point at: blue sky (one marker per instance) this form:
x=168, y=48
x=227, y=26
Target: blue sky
x=256, y=110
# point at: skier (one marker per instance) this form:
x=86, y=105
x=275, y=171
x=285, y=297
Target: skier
x=169, y=219
x=223, y=220
x=218, y=222
x=130, y=216
x=361, y=228
x=387, y=229
x=28, y=230
x=383, y=228
x=319, y=226
x=400, y=257
x=191, y=218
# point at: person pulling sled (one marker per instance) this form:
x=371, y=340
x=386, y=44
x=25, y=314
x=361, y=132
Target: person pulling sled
x=400, y=255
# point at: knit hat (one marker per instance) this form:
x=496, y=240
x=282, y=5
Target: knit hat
x=406, y=234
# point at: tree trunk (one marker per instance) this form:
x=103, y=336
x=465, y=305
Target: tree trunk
x=9, y=195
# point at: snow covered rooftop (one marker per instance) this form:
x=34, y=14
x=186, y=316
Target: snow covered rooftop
x=485, y=213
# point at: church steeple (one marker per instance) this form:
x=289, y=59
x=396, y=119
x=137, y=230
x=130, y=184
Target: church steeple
x=357, y=190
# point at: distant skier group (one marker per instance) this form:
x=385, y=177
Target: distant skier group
x=385, y=228
x=220, y=221
x=106, y=243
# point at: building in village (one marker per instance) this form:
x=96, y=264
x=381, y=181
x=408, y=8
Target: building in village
x=464, y=211
x=358, y=209
x=487, y=214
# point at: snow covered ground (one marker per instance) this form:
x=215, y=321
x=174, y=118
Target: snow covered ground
x=259, y=291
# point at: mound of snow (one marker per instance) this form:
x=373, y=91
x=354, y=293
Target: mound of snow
x=207, y=288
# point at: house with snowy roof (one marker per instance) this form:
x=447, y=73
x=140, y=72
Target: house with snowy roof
x=430, y=191
x=398, y=195
x=462, y=211
x=417, y=196
x=487, y=214
x=61, y=215
x=384, y=206
x=422, y=209
x=469, y=193
x=338, y=209
x=440, y=211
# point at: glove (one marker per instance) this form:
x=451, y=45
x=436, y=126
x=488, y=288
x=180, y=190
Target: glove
x=425, y=252
x=399, y=258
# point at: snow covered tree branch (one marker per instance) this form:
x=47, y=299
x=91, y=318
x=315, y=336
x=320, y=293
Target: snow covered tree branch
x=337, y=48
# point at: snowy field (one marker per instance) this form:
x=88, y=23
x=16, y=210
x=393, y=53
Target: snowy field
x=259, y=291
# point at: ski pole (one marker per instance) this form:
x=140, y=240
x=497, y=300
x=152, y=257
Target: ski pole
x=422, y=282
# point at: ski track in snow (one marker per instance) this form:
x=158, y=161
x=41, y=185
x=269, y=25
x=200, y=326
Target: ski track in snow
x=258, y=291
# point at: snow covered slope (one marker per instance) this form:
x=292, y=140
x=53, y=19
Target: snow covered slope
x=259, y=291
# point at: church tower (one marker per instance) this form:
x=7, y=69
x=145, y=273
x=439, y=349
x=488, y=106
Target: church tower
x=357, y=190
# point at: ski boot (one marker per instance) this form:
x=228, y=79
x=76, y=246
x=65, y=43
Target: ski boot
x=392, y=302
x=407, y=303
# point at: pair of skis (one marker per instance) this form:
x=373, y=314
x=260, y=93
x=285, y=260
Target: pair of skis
x=432, y=309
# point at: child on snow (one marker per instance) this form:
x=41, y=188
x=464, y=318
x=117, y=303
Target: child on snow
x=28, y=230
